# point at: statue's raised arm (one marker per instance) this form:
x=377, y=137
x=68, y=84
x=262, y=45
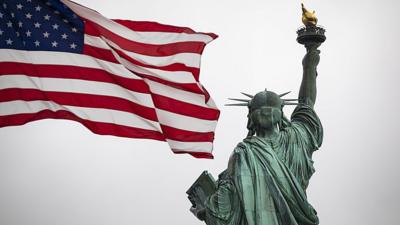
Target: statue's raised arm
x=308, y=88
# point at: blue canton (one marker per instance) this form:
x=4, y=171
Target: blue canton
x=36, y=25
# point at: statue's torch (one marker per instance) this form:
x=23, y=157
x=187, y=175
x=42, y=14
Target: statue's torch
x=310, y=33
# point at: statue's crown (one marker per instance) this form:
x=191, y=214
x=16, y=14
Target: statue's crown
x=263, y=98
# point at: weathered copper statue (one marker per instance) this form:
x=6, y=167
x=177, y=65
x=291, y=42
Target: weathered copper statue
x=268, y=172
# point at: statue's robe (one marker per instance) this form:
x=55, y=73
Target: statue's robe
x=266, y=179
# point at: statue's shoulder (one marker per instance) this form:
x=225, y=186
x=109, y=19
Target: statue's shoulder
x=236, y=156
x=242, y=146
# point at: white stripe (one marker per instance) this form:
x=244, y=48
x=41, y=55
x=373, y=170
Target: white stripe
x=185, y=122
x=180, y=95
x=74, y=86
x=64, y=58
x=95, y=41
x=158, y=38
x=190, y=146
x=181, y=77
x=92, y=114
x=188, y=59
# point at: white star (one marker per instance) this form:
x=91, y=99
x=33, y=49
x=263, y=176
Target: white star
x=1, y=15
x=19, y=24
x=9, y=41
x=65, y=20
x=17, y=33
x=46, y=34
x=12, y=15
x=56, y=12
x=28, y=0
x=37, y=43
x=28, y=33
x=64, y=36
x=38, y=8
x=19, y=6
x=74, y=29
x=54, y=44
x=37, y=25
x=55, y=26
x=5, y=5
x=28, y=16
x=73, y=45
x=48, y=3
x=9, y=24
x=1, y=32
x=47, y=17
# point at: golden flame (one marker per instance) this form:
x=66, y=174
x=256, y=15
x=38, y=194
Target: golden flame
x=308, y=18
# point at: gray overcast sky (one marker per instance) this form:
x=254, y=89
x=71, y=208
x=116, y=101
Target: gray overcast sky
x=57, y=172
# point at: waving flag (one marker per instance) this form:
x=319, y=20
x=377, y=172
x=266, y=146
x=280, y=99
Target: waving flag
x=61, y=60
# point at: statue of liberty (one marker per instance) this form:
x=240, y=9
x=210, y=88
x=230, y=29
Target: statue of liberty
x=269, y=171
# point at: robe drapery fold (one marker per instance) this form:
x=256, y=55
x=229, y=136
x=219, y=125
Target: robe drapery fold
x=266, y=179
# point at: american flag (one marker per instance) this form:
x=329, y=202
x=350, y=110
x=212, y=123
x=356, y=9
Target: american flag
x=61, y=60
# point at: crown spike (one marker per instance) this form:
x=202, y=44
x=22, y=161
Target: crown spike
x=248, y=95
x=237, y=104
x=281, y=95
x=239, y=100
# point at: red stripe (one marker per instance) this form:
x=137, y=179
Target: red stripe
x=95, y=127
x=158, y=27
x=99, y=53
x=184, y=108
x=94, y=29
x=81, y=100
x=72, y=72
x=172, y=67
x=186, y=136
